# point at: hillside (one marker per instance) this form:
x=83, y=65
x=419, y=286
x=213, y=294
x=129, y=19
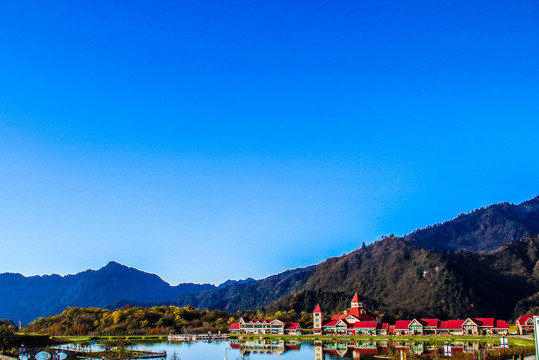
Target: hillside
x=482, y=230
x=397, y=277
x=26, y=298
x=251, y=295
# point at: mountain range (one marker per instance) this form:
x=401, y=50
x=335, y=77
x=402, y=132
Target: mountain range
x=483, y=263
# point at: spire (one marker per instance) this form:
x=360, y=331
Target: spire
x=356, y=301
x=317, y=309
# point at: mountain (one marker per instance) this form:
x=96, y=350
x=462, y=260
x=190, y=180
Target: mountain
x=26, y=298
x=397, y=277
x=233, y=282
x=482, y=230
x=248, y=295
x=407, y=276
x=483, y=263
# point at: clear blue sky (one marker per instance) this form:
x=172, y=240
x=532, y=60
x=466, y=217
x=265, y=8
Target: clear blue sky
x=207, y=140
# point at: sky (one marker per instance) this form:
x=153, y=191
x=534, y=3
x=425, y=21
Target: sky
x=213, y=140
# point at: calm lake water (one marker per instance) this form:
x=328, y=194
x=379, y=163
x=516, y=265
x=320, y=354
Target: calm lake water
x=293, y=350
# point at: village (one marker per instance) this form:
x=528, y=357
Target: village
x=359, y=321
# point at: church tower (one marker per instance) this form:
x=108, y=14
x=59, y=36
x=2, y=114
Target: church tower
x=318, y=318
x=357, y=302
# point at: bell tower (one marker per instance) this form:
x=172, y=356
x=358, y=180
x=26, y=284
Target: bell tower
x=318, y=319
x=357, y=302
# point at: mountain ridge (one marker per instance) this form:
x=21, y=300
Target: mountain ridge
x=497, y=241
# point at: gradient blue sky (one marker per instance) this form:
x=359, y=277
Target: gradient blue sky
x=207, y=140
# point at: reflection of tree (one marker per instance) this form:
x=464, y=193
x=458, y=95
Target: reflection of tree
x=174, y=356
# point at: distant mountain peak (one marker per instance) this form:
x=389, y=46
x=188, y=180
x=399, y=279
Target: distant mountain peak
x=114, y=264
x=233, y=282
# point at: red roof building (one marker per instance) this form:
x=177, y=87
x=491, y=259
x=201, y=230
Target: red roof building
x=266, y=327
x=402, y=327
x=525, y=324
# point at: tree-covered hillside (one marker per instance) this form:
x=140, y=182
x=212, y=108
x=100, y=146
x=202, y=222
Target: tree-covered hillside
x=398, y=278
x=482, y=230
x=158, y=320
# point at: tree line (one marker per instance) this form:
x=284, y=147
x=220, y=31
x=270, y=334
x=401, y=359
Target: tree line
x=157, y=320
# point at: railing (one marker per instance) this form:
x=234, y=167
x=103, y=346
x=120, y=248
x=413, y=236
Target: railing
x=193, y=337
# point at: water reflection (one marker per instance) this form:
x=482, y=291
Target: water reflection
x=374, y=350
x=277, y=347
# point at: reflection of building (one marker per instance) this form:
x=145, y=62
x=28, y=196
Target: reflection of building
x=276, y=347
x=318, y=351
x=365, y=349
x=356, y=320
x=265, y=327
x=525, y=324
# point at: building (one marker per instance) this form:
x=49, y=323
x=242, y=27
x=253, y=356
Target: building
x=525, y=324
x=356, y=320
x=264, y=327
x=451, y=327
x=292, y=329
x=234, y=328
x=356, y=312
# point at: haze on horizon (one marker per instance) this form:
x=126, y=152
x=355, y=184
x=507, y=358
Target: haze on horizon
x=217, y=140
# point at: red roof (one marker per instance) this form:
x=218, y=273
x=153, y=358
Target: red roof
x=365, y=325
x=356, y=298
x=263, y=321
x=291, y=326
x=334, y=322
x=234, y=326
x=484, y=322
x=317, y=309
x=357, y=313
x=451, y=325
x=402, y=324
x=502, y=324
x=366, y=351
x=429, y=322
x=384, y=326
x=522, y=320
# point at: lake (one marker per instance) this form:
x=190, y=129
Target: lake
x=293, y=350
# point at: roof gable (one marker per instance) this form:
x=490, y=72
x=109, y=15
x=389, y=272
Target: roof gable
x=525, y=319
x=469, y=322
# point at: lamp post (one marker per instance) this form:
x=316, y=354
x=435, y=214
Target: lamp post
x=226, y=349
